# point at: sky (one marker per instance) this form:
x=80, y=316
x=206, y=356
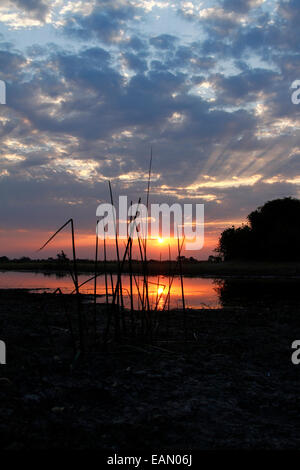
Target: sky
x=92, y=85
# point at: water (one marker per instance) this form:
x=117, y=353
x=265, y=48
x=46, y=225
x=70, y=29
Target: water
x=198, y=292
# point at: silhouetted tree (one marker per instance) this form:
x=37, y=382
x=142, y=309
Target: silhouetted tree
x=236, y=243
x=273, y=234
x=214, y=259
x=62, y=258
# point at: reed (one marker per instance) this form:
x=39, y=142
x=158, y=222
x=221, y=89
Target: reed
x=74, y=277
x=181, y=282
x=95, y=282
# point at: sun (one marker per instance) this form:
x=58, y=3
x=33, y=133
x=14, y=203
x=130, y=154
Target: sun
x=160, y=240
x=160, y=290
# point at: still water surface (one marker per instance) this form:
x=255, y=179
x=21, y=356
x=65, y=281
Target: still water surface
x=198, y=292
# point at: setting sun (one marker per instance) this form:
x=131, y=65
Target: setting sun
x=160, y=290
x=160, y=240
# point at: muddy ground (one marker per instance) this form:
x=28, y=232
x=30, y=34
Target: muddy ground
x=231, y=385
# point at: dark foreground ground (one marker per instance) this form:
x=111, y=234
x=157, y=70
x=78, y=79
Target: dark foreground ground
x=231, y=386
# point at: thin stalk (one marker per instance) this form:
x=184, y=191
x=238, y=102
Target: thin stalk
x=117, y=243
x=169, y=275
x=80, y=318
x=95, y=282
x=105, y=268
x=182, y=289
x=146, y=234
x=130, y=274
x=74, y=277
x=138, y=288
x=144, y=282
x=119, y=283
x=172, y=279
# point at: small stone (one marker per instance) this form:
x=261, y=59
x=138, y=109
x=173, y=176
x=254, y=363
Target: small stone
x=58, y=409
x=5, y=382
x=32, y=397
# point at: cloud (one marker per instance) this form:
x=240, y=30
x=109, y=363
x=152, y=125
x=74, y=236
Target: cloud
x=19, y=14
x=135, y=62
x=164, y=41
x=246, y=86
x=106, y=22
x=11, y=64
x=37, y=8
x=241, y=6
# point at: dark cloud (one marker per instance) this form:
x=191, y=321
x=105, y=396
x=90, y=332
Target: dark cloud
x=137, y=44
x=245, y=86
x=10, y=63
x=239, y=6
x=135, y=62
x=36, y=8
x=105, y=22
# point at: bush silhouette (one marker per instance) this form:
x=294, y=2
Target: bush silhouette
x=272, y=233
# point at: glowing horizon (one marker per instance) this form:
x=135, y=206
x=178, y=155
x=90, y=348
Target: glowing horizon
x=24, y=242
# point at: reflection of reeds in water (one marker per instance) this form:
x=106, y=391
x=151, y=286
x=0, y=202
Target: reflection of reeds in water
x=145, y=316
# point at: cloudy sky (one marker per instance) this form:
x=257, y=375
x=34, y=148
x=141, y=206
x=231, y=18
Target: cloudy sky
x=92, y=84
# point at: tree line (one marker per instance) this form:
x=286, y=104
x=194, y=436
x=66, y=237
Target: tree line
x=272, y=234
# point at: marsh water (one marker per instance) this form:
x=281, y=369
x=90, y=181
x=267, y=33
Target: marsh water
x=199, y=292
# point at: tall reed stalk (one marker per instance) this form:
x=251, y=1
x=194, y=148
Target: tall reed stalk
x=74, y=277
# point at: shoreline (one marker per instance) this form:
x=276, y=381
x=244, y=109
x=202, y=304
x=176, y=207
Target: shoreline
x=193, y=269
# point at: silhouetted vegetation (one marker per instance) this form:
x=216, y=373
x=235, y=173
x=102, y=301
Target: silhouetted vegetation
x=272, y=234
x=258, y=293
